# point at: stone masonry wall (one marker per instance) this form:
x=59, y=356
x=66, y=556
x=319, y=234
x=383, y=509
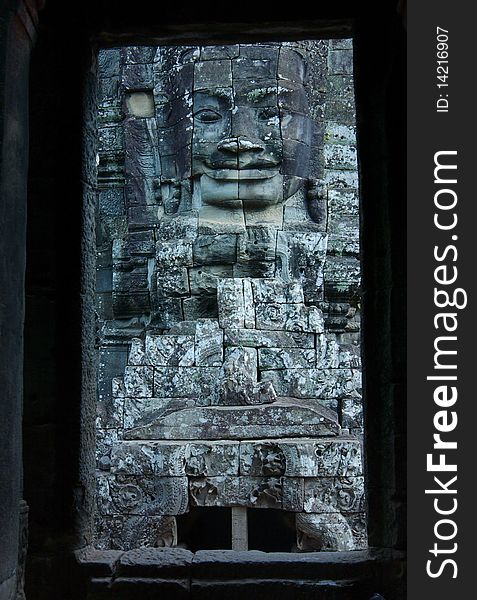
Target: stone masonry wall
x=189, y=291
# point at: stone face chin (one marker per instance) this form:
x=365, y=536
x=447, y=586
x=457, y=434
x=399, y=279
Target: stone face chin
x=247, y=188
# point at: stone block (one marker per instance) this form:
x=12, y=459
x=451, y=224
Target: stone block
x=214, y=491
x=173, y=253
x=109, y=62
x=139, y=412
x=138, y=381
x=198, y=383
x=335, y=494
x=331, y=384
x=175, y=283
x=170, y=350
x=212, y=459
x=238, y=384
x=108, y=90
x=337, y=133
x=286, y=358
x=137, y=354
x=168, y=312
x=326, y=531
x=141, y=243
x=139, y=54
x=148, y=458
x=109, y=412
x=230, y=303
x=130, y=281
x=257, y=244
x=325, y=457
x=284, y=417
x=251, y=492
x=110, y=139
x=293, y=494
x=178, y=227
x=340, y=62
x=341, y=86
x=253, y=69
x=195, y=459
x=149, y=496
x=249, y=305
x=105, y=440
x=215, y=249
x=352, y=413
x=218, y=220
x=200, y=307
x=219, y=52
x=208, y=344
x=338, y=179
x=276, y=291
x=137, y=76
x=203, y=280
x=338, y=156
x=289, y=317
x=111, y=202
x=124, y=532
x=212, y=73
x=255, y=338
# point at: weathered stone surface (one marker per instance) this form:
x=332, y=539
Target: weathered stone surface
x=156, y=562
x=105, y=440
x=137, y=355
x=195, y=459
x=301, y=457
x=324, y=532
x=199, y=383
x=334, y=494
x=238, y=384
x=121, y=532
x=203, y=280
x=231, y=304
x=170, y=350
x=249, y=306
x=209, y=340
x=138, y=381
x=276, y=291
x=210, y=249
x=289, y=317
x=315, y=383
x=352, y=413
x=283, y=417
x=331, y=354
x=140, y=411
x=255, y=338
x=140, y=496
x=286, y=358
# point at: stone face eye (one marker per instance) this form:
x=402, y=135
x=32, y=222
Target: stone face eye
x=207, y=115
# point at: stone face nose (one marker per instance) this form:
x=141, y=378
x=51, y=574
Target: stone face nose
x=237, y=145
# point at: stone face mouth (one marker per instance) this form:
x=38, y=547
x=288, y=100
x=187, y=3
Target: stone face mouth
x=242, y=174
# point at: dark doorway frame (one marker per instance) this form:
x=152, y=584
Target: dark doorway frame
x=61, y=71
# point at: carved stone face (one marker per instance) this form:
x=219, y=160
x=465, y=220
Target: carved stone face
x=248, y=129
x=251, y=135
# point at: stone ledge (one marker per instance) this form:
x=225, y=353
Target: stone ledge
x=224, y=564
x=177, y=573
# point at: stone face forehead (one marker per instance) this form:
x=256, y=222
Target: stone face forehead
x=225, y=65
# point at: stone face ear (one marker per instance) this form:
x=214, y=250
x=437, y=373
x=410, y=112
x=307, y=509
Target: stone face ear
x=317, y=201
